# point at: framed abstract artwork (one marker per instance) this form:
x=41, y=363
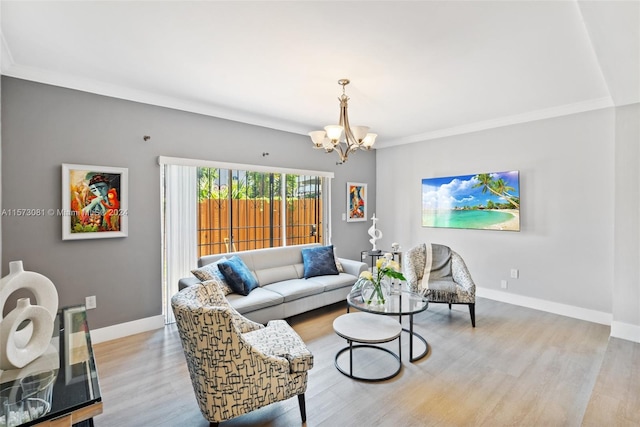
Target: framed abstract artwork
x=94, y=202
x=486, y=201
x=356, y=201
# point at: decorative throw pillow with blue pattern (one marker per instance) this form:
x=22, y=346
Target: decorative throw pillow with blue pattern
x=319, y=261
x=212, y=272
x=238, y=275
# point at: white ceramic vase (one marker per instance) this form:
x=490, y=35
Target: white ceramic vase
x=20, y=347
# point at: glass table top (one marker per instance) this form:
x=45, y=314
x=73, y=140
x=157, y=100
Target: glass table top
x=62, y=380
x=399, y=303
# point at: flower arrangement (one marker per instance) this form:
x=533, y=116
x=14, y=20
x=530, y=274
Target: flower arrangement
x=385, y=267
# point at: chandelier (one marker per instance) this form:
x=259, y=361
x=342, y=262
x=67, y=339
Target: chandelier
x=343, y=138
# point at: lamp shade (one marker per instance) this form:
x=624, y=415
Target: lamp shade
x=334, y=132
x=369, y=140
x=317, y=137
x=359, y=132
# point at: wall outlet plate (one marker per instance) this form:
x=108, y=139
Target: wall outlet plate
x=503, y=284
x=90, y=302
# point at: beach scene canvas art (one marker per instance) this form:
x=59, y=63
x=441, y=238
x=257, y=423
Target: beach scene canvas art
x=487, y=201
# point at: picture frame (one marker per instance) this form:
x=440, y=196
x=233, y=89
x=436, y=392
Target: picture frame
x=484, y=201
x=94, y=202
x=75, y=340
x=356, y=201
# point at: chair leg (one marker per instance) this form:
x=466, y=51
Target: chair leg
x=472, y=312
x=303, y=408
x=449, y=306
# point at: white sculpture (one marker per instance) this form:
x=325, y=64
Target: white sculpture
x=374, y=233
x=20, y=347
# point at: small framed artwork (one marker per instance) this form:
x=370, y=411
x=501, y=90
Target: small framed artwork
x=356, y=201
x=76, y=336
x=485, y=201
x=94, y=202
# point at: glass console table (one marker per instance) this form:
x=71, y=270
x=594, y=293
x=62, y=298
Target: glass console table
x=60, y=388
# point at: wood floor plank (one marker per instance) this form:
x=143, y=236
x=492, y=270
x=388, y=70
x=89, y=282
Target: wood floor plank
x=517, y=367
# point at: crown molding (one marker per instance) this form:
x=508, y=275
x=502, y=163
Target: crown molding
x=121, y=92
x=11, y=69
x=547, y=113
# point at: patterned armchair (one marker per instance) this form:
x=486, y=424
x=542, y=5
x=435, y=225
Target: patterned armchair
x=236, y=365
x=441, y=275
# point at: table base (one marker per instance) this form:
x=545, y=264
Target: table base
x=418, y=336
x=350, y=374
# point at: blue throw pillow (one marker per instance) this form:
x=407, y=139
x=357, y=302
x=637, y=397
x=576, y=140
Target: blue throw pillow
x=238, y=275
x=319, y=261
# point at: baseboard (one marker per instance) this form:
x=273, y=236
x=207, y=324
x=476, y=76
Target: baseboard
x=625, y=331
x=125, y=329
x=548, y=306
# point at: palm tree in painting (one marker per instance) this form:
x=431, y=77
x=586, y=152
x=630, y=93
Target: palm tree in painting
x=496, y=186
x=500, y=187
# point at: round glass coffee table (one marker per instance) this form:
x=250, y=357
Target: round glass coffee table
x=401, y=303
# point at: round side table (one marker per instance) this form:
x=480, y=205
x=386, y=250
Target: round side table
x=367, y=329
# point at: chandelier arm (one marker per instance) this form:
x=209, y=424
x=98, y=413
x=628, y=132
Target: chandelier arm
x=350, y=140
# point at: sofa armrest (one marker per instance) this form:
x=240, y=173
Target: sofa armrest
x=353, y=267
x=185, y=282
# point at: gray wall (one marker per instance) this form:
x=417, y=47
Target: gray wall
x=580, y=211
x=44, y=126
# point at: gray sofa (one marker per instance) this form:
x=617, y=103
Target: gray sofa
x=283, y=291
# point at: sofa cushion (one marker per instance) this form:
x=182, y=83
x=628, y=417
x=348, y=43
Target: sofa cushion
x=335, y=282
x=276, y=274
x=258, y=298
x=295, y=289
x=238, y=275
x=211, y=272
x=319, y=261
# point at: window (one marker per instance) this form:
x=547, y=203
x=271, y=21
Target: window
x=242, y=209
x=213, y=207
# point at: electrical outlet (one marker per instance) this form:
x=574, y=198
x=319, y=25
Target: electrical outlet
x=503, y=284
x=90, y=302
x=514, y=273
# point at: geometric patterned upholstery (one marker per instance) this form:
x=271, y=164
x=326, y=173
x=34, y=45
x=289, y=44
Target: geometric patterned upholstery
x=236, y=365
x=460, y=288
x=277, y=340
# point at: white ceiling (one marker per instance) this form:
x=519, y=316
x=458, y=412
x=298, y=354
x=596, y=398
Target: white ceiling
x=418, y=69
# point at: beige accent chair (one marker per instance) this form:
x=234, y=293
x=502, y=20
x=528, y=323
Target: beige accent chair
x=236, y=365
x=449, y=280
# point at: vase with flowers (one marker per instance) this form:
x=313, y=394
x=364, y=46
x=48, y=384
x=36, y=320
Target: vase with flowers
x=371, y=284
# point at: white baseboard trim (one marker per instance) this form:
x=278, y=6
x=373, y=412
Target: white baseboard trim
x=548, y=306
x=125, y=329
x=625, y=331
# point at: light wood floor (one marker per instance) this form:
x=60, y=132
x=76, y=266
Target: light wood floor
x=518, y=367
